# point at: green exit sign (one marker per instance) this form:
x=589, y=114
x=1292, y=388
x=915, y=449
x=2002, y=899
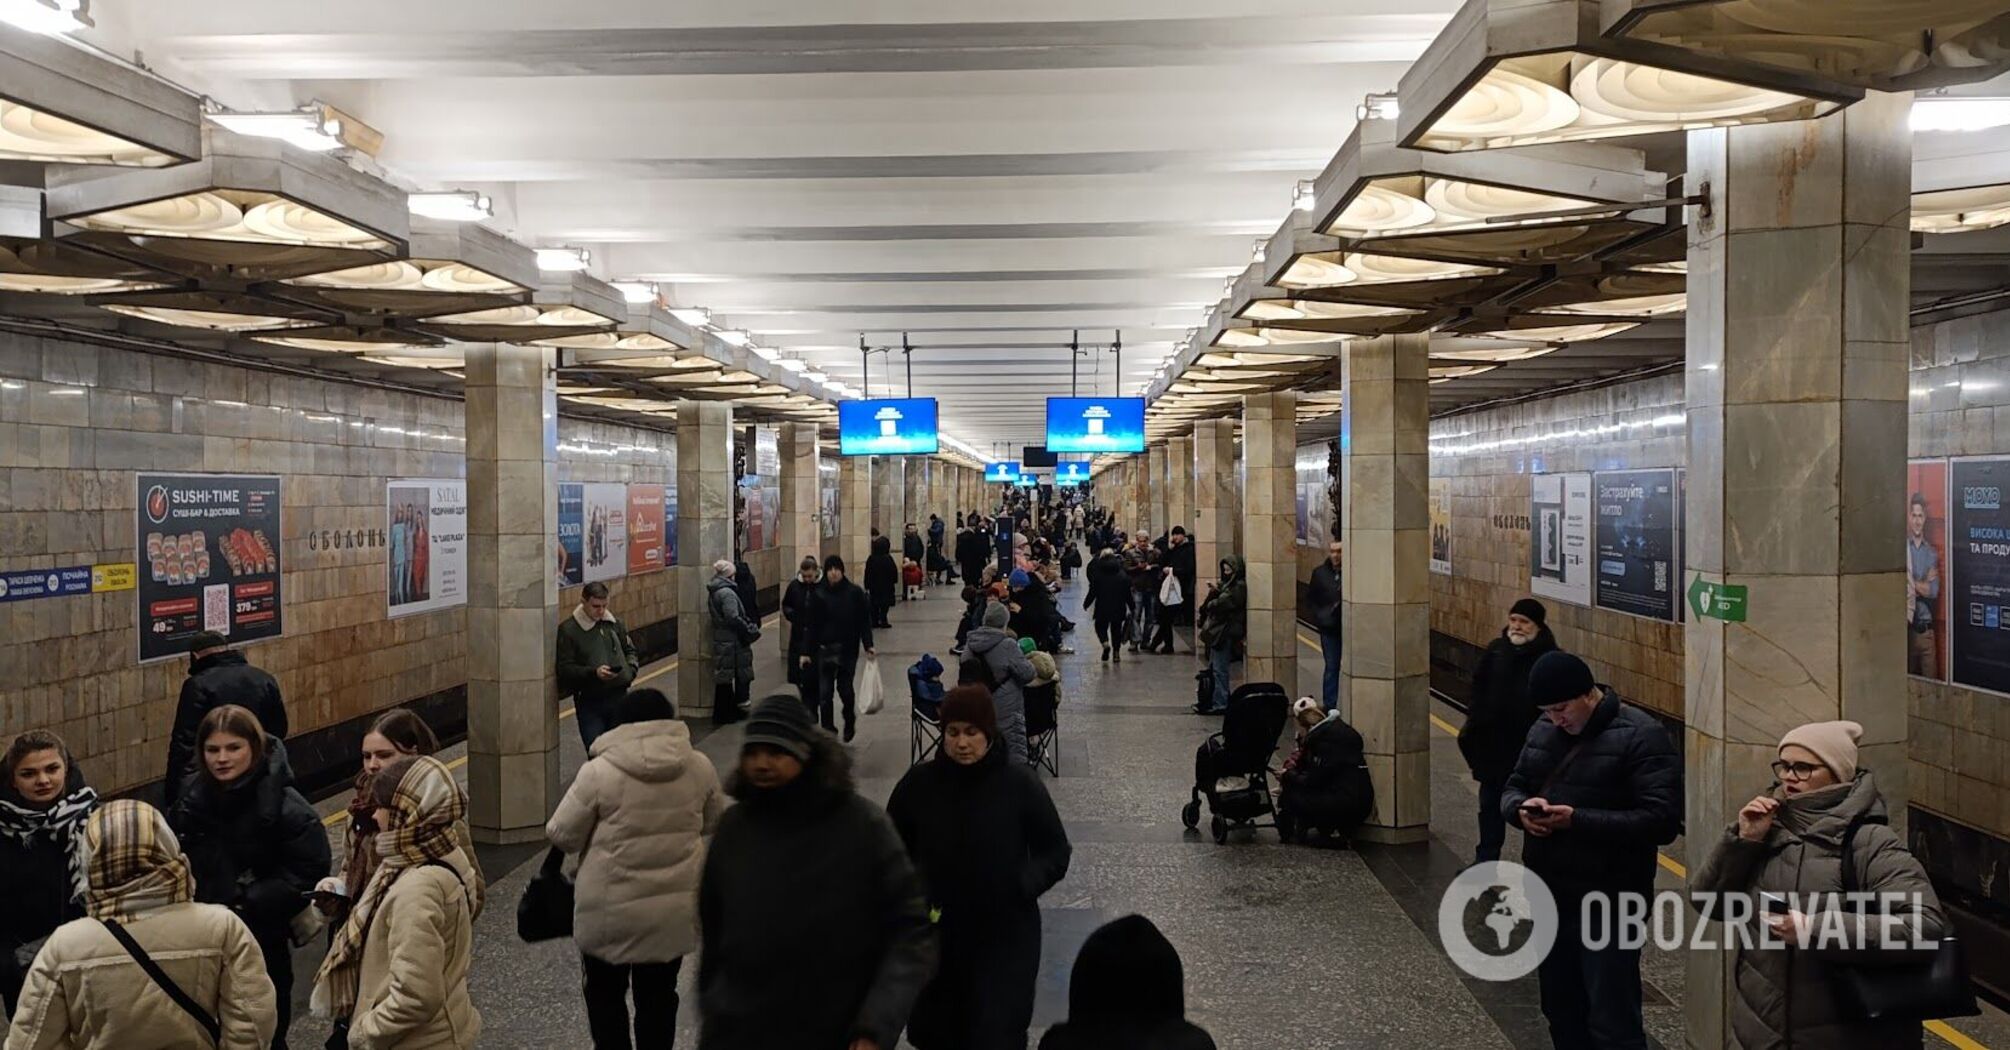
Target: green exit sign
x=1718, y=601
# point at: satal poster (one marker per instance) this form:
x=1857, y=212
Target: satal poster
x=646, y=548
x=1440, y=494
x=1559, y=539
x=427, y=565
x=1978, y=552
x=1638, y=536
x=209, y=547
x=1926, y=569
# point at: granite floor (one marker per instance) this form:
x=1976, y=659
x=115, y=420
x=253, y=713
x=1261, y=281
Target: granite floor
x=1284, y=946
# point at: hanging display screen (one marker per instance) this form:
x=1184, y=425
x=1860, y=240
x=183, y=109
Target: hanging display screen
x=1004, y=472
x=1095, y=424
x=888, y=427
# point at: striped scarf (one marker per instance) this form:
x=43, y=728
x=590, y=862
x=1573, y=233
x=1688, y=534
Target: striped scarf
x=135, y=863
x=61, y=823
x=427, y=803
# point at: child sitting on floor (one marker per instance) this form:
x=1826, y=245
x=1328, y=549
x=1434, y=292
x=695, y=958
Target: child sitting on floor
x=912, y=575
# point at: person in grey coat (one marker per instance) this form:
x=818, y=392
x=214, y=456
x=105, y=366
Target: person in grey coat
x=992, y=658
x=1790, y=841
x=733, y=638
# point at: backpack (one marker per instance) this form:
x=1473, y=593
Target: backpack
x=976, y=670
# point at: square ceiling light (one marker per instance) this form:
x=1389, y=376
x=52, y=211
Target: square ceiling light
x=1636, y=294
x=1518, y=73
x=454, y=268
x=250, y=210
x=1961, y=210
x=62, y=103
x=347, y=339
x=215, y=311
x=31, y=264
x=1889, y=45
x=564, y=305
x=1311, y=315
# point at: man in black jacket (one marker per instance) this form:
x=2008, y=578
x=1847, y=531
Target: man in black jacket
x=1179, y=564
x=1499, y=712
x=815, y=930
x=840, y=625
x=1109, y=598
x=1598, y=788
x=217, y=675
x=1322, y=600
x=973, y=549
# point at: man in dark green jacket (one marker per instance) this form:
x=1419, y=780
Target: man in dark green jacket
x=596, y=662
x=1222, y=622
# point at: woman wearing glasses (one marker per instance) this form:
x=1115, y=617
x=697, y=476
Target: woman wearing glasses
x=1787, y=852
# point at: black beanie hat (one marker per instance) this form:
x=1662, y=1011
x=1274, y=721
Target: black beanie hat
x=643, y=705
x=833, y=562
x=1127, y=968
x=781, y=721
x=1558, y=676
x=1532, y=609
x=972, y=704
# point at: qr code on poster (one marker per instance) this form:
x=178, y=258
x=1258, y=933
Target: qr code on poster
x=216, y=608
x=1660, y=577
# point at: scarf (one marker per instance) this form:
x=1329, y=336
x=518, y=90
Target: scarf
x=136, y=864
x=427, y=803
x=62, y=823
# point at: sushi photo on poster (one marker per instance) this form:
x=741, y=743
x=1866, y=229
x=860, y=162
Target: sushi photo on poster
x=208, y=559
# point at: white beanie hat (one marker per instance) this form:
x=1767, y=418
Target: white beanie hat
x=1832, y=742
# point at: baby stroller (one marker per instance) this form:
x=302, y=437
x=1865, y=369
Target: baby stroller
x=1232, y=768
x=924, y=693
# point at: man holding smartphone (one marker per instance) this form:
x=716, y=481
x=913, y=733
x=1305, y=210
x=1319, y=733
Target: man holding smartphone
x=1597, y=789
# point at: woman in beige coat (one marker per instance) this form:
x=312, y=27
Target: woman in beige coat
x=637, y=815
x=86, y=991
x=398, y=968
x=1788, y=843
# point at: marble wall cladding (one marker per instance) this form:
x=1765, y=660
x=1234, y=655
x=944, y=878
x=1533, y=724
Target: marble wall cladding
x=801, y=535
x=1216, y=480
x=1158, y=488
x=76, y=420
x=1179, y=483
x=855, y=507
x=704, y=534
x=1269, y=523
x=889, y=495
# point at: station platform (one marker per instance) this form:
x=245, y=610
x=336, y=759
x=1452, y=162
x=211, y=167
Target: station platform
x=1288, y=947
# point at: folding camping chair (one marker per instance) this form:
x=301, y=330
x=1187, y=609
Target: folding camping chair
x=924, y=694
x=1043, y=727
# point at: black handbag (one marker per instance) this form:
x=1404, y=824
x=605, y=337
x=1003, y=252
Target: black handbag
x=1924, y=991
x=544, y=912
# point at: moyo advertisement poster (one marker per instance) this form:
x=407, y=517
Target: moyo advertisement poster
x=1559, y=540
x=208, y=551
x=427, y=538
x=1638, y=540
x=1978, y=549
x=646, y=546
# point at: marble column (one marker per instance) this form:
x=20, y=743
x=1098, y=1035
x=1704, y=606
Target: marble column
x=889, y=495
x=855, y=514
x=1216, y=499
x=1797, y=349
x=1179, y=484
x=800, y=536
x=1385, y=592
x=704, y=535
x=1269, y=518
x=1158, y=485
x=512, y=613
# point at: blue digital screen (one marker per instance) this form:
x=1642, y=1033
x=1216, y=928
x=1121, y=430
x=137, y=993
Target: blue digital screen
x=1071, y=473
x=887, y=427
x=1096, y=424
x=1005, y=472
x=1029, y=481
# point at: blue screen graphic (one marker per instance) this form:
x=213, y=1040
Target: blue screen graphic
x=1096, y=424
x=1005, y=472
x=887, y=427
x=1071, y=473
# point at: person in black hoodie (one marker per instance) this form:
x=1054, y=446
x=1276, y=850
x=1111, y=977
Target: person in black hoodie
x=1110, y=598
x=988, y=842
x=815, y=933
x=840, y=625
x=253, y=843
x=44, y=803
x=1597, y=788
x=802, y=664
x=1128, y=992
x=217, y=675
x=1499, y=714
x=882, y=580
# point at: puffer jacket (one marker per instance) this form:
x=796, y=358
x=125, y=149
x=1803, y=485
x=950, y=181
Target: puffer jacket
x=1224, y=616
x=1013, y=673
x=733, y=634
x=1330, y=787
x=1499, y=711
x=257, y=847
x=637, y=816
x=1626, y=788
x=213, y=681
x=413, y=989
x=1785, y=996
x=86, y=993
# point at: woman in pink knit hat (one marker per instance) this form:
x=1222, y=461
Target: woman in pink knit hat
x=1787, y=849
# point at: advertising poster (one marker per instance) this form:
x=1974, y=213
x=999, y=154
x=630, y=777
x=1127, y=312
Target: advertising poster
x=427, y=525
x=768, y=464
x=646, y=550
x=827, y=498
x=571, y=534
x=1926, y=568
x=209, y=551
x=1441, y=526
x=1637, y=541
x=1559, y=540
x=754, y=515
x=669, y=527
x=1978, y=552
x=604, y=513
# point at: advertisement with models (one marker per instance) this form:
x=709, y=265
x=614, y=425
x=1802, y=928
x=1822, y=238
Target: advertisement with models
x=428, y=538
x=1926, y=584
x=209, y=551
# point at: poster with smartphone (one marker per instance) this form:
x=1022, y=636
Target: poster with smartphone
x=1559, y=541
x=208, y=552
x=1638, y=537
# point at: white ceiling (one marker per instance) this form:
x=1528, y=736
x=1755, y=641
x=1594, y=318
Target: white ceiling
x=984, y=176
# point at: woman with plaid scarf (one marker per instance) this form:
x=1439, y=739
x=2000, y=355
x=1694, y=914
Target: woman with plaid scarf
x=398, y=968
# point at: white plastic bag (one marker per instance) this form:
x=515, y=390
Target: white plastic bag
x=871, y=691
x=1169, y=592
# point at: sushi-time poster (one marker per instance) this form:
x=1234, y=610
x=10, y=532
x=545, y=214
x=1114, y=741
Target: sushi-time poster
x=208, y=559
